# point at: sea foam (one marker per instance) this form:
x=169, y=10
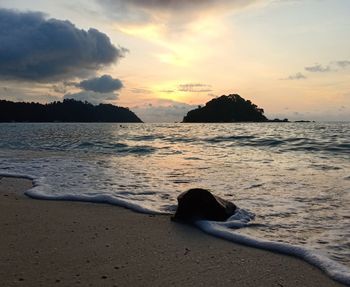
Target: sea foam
x=294, y=177
x=226, y=229
x=40, y=190
x=223, y=230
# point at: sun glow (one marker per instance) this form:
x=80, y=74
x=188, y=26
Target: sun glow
x=169, y=91
x=149, y=32
x=180, y=48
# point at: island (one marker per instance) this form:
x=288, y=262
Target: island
x=228, y=109
x=67, y=111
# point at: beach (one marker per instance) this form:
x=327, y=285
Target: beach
x=62, y=243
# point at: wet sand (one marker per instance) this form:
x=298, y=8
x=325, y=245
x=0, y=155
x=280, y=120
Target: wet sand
x=53, y=243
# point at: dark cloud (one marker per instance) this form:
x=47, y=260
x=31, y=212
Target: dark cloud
x=92, y=97
x=318, y=69
x=178, y=5
x=179, y=11
x=342, y=64
x=174, y=5
x=96, y=90
x=297, y=76
x=62, y=87
x=59, y=88
x=195, y=88
x=103, y=84
x=38, y=49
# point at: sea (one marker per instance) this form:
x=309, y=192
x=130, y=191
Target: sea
x=291, y=181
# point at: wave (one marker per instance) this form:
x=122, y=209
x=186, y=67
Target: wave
x=40, y=190
x=145, y=139
x=228, y=138
x=96, y=147
x=283, y=144
x=226, y=230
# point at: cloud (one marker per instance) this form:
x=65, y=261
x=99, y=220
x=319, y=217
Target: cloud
x=163, y=111
x=185, y=5
x=331, y=67
x=173, y=13
x=92, y=97
x=103, y=84
x=34, y=48
x=167, y=91
x=59, y=88
x=96, y=90
x=342, y=64
x=334, y=66
x=22, y=92
x=140, y=91
x=180, y=27
x=195, y=88
x=297, y=76
x=318, y=69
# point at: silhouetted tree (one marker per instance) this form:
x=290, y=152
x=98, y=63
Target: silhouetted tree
x=67, y=111
x=231, y=108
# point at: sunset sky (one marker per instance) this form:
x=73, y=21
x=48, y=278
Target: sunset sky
x=162, y=58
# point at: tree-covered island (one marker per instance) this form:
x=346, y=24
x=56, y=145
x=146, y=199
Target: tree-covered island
x=227, y=109
x=67, y=111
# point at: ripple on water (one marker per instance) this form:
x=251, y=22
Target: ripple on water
x=295, y=178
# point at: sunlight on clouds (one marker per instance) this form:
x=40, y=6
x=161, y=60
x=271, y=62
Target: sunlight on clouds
x=166, y=90
x=195, y=44
x=169, y=91
x=185, y=91
x=175, y=54
x=179, y=55
x=173, y=59
x=149, y=32
x=181, y=48
x=278, y=53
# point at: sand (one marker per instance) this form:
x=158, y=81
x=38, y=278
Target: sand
x=55, y=243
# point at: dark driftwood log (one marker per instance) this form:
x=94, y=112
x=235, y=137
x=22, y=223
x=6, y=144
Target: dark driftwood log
x=198, y=203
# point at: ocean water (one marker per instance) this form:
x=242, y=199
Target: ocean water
x=290, y=180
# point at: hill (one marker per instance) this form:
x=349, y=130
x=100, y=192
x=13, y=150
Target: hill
x=67, y=111
x=226, y=109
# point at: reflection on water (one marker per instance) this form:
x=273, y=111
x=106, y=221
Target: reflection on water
x=294, y=177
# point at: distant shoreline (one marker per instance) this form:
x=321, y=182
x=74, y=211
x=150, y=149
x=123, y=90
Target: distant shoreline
x=58, y=122
x=67, y=111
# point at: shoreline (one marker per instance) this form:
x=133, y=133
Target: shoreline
x=47, y=243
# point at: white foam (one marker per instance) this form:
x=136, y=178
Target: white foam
x=17, y=175
x=45, y=189
x=40, y=190
x=223, y=230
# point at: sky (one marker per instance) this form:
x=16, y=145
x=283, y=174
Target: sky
x=162, y=58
